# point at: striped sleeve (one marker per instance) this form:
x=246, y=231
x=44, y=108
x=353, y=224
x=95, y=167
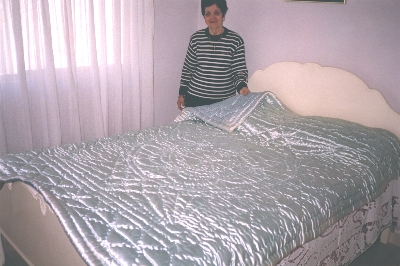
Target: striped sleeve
x=239, y=67
x=189, y=66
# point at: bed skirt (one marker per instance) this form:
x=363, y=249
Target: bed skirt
x=344, y=241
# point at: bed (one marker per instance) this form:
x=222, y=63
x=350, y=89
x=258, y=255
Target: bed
x=304, y=171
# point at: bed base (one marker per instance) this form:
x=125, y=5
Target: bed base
x=344, y=241
x=32, y=229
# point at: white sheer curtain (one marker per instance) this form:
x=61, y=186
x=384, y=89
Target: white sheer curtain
x=74, y=70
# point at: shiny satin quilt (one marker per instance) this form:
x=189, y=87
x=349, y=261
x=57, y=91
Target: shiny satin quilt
x=240, y=182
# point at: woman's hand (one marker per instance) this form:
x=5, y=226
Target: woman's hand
x=244, y=91
x=181, y=102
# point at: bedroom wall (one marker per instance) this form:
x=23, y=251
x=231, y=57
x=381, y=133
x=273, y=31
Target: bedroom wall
x=175, y=22
x=361, y=36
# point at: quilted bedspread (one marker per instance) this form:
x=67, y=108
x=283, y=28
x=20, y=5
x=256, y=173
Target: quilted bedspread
x=240, y=182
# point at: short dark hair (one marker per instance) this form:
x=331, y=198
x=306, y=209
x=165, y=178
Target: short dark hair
x=221, y=4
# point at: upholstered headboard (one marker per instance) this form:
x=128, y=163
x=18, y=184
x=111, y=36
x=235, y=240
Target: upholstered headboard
x=310, y=89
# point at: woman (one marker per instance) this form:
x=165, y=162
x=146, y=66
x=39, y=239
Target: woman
x=215, y=66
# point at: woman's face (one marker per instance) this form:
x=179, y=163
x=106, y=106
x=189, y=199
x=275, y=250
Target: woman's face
x=213, y=17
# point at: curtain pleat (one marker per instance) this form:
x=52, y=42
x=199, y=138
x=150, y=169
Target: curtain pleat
x=74, y=70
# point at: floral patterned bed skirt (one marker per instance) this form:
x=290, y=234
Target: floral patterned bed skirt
x=348, y=238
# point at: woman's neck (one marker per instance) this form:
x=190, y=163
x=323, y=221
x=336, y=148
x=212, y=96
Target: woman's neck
x=217, y=31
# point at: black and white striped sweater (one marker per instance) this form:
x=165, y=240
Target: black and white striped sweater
x=215, y=66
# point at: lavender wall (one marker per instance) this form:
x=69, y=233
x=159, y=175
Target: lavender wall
x=175, y=22
x=362, y=36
